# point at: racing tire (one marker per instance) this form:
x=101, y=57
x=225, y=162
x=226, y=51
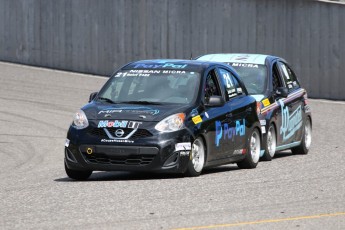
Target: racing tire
x=252, y=157
x=197, y=158
x=303, y=148
x=271, y=144
x=77, y=175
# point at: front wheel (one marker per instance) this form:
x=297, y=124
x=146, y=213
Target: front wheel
x=77, y=175
x=197, y=158
x=253, y=152
x=303, y=148
x=271, y=144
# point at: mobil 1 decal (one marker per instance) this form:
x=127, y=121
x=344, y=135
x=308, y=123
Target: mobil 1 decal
x=290, y=122
x=118, y=124
x=226, y=133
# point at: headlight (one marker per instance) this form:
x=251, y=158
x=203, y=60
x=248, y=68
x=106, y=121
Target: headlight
x=171, y=123
x=80, y=120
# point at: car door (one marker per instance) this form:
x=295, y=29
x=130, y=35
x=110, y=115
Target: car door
x=291, y=107
x=237, y=117
x=218, y=122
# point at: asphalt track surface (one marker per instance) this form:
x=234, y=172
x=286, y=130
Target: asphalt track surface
x=36, y=108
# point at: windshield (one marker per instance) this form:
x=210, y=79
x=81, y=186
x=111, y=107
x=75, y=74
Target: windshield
x=151, y=87
x=254, y=76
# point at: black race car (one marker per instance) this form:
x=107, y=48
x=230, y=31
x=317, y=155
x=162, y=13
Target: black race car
x=285, y=115
x=165, y=115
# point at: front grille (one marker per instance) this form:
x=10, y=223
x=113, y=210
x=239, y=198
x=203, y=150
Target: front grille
x=100, y=133
x=135, y=160
x=141, y=133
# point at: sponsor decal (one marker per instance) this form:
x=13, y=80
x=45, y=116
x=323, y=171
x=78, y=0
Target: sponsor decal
x=290, y=122
x=243, y=57
x=240, y=151
x=109, y=111
x=183, y=146
x=244, y=65
x=159, y=66
x=206, y=115
x=144, y=71
x=118, y=124
x=116, y=141
x=263, y=129
x=147, y=73
x=276, y=104
x=136, y=110
x=262, y=122
x=228, y=82
x=67, y=143
x=112, y=124
x=229, y=133
x=197, y=119
x=174, y=71
x=266, y=102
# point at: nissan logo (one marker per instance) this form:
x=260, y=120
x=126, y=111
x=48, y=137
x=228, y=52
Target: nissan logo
x=119, y=132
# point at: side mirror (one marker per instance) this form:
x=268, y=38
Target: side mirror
x=282, y=92
x=215, y=101
x=92, y=96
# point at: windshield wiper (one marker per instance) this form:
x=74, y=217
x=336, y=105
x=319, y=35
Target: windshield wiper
x=106, y=99
x=141, y=102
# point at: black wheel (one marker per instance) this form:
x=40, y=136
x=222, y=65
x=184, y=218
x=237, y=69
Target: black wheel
x=303, y=148
x=271, y=144
x=197, y=158
x=77, y=175
x=253, y=152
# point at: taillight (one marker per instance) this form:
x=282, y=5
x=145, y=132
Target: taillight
x=305, y=96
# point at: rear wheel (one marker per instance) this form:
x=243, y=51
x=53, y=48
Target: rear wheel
x=303, y=148
x=77, y=175
x=253, y=154
x=271, y=144
x=197, y=158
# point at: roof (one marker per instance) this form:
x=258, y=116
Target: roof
x=239, y=58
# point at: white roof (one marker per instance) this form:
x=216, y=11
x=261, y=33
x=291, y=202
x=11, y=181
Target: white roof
x=238, y=58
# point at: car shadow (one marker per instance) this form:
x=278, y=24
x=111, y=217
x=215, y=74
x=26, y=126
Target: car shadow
x=129, y=176
x=282, y=154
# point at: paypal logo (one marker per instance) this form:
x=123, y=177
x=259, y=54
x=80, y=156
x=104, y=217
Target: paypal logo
x=159, y=66
x=229, y=133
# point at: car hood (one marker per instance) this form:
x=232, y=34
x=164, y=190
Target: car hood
x=102, y=111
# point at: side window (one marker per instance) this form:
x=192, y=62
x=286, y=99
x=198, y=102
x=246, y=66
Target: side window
x=289, y=77
x=232, y=86
x=276, y=80
x=211, y=86
x=293, y=77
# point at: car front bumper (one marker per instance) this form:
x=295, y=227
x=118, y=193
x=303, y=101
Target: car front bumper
x=158, y=153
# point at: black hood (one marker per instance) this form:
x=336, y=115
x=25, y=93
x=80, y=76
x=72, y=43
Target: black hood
x=104, y=111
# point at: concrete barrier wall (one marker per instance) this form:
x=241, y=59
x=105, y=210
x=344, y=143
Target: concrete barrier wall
x=99, y=36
